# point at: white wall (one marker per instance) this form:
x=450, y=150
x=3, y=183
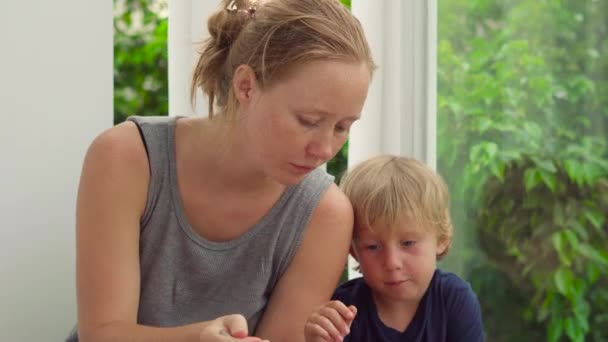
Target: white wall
x=55, y=96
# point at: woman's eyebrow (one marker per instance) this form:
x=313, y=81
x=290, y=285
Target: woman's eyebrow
x=326, y=113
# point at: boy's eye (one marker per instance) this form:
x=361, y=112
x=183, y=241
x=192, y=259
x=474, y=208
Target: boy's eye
x=408, y=243
x=371, y=247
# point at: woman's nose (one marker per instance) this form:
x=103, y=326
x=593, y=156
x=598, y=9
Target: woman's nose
x=322, y=147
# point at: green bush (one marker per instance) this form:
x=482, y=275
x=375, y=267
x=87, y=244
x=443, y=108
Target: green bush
x=140, y=58
x=544, y=227
x=521, y=141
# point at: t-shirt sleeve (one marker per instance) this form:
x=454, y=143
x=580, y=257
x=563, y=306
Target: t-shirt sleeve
x=464, y=315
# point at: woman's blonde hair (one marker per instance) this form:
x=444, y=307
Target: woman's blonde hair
x=271, y=36
x=386, y=188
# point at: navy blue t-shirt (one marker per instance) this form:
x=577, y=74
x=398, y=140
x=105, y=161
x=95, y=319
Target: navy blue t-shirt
x=448, y=312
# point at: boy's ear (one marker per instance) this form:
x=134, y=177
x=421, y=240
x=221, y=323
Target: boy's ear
x=443, y=244
x=352, y=252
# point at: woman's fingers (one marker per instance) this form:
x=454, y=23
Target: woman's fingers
x=230, y=328
x=235, y=325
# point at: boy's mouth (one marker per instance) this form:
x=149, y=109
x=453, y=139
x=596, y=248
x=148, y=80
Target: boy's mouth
x=395, y=282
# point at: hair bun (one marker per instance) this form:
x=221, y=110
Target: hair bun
x=224, y=27
x=245, y=8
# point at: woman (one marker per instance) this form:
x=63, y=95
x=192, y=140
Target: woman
x=196, y=229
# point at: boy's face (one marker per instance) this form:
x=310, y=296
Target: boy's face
x=397, y=267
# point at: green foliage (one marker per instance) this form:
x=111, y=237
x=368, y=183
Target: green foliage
x=549, y=239
x=521, y=128
x=338, y=165
x=140, y=58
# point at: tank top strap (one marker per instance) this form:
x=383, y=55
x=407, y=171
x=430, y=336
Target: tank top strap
x=158, y=135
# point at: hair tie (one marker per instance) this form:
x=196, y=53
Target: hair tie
x=232, y=8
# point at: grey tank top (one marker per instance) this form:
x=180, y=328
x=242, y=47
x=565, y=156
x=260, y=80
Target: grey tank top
x=186, y=278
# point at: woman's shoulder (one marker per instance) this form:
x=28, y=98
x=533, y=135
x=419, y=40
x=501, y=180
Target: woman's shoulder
x=332, y=201
x=120, y=142
x=118, y=153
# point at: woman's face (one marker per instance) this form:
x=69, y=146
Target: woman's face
x=302, y=120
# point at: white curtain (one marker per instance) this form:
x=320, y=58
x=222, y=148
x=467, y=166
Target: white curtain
x=399, y=114
x=187, y=27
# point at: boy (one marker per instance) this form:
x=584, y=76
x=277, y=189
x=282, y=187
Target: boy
x=402, y=227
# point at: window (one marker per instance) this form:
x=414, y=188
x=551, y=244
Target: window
x=522, y=115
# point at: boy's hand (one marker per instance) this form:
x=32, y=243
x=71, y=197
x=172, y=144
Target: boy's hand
x=330, y=322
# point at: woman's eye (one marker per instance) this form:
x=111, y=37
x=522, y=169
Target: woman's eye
x=306, y=122
x=342, y=129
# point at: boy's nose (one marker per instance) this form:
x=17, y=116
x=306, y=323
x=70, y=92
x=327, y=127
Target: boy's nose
x=391, y=260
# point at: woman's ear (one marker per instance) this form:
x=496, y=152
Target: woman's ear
x=244, y=83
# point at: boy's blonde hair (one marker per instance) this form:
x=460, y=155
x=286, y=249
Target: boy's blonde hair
x=386, y=188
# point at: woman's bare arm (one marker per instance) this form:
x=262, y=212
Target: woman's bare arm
x=313, y=274
x=111, y=199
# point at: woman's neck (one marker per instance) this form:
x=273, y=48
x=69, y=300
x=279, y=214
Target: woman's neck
x=214, y=148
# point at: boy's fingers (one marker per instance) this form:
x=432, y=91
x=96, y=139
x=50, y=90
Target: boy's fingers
x=342, y=309
x=317, y=331
x=337, y=320
x=330, y=328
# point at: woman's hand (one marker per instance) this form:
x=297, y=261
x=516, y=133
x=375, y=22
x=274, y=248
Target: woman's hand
x=228, y=328
x=330, y=322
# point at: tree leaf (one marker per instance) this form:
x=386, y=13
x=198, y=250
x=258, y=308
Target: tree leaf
x=554, y=330
x=572, y=239
x=563, y=280
x=593, y=254
x=549, y=179
x=531, y=178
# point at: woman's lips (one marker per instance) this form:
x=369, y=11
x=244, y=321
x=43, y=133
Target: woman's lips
x=302, y=168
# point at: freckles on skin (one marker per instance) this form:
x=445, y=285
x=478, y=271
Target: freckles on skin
x=273, y=132
x=336, y=87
